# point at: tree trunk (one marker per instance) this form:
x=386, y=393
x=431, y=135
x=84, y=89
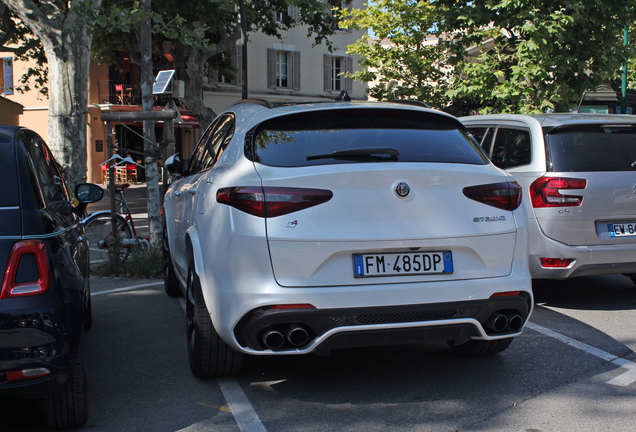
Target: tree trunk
x=193, y=77
x=150, y=146
x=67, y=45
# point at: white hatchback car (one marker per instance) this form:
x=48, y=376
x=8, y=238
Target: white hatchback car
x=578, y=177
x=299, y=228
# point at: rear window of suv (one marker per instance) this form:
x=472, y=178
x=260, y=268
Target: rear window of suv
x=592, y=148
x=359, y=136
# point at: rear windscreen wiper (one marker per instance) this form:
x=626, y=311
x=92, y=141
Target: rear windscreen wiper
x=376, y=153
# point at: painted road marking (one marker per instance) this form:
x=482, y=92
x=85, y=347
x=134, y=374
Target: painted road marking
x=622, y=380
x=126, y=288
x=240, y=406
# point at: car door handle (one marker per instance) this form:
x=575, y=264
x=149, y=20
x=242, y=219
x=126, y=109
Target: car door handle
x=192, y=190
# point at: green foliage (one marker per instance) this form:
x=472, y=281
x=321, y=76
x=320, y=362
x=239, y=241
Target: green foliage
x=404, y=55
x=140, y=263
x=16, y=38
x=518, y=56
x=200, y=37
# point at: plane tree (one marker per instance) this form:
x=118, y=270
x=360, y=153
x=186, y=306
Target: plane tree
x=519, y=56
x=400, y=52
x=55, y=35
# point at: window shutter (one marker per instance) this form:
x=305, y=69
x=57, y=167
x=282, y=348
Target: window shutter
x=349, y=9
x=296, y=70
x=295, y=13
x=8, y=75
x=327, y=72
x=238, y=63
x=349, y=69
x=271, y=68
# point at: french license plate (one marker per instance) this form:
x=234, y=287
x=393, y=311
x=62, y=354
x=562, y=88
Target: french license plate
x=402, y=264
x=622, y=229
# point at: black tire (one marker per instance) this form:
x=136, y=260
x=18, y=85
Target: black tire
x=208, y=355
x=98, y=232
x=480, y=348
x=170, y=282
x=69, y=408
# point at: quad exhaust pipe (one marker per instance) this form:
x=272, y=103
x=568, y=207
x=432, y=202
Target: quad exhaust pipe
x=294, y=335
x=297, y=336
x=508, y=322
x=273, y=339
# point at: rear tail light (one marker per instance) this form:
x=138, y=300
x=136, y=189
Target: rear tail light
x=546, y=192
x=271, y=201
x=294, y=306
x=39, y=283
x=505, y=294
x=556, y=262
x=505, y=196
x=27, y=373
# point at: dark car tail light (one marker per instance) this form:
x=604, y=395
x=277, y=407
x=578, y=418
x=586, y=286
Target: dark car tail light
x=545, y=192
x=271, y=201
x=505, y=195
x=39, y=283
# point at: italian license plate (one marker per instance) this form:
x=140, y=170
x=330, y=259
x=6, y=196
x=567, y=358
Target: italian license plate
x=622, y=229
x=402, y=264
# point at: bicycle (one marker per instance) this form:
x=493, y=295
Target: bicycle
x=98, y=230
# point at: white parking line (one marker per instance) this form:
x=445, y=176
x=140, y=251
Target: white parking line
x=126, y=288
x=622, y=380
x=240, y=406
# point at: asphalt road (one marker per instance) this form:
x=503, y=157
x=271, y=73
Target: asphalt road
x=573, y=369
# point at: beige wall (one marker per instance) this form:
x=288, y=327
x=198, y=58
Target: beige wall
x=10, y=112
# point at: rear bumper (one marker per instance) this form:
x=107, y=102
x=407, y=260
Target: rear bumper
x=35, y=335
x=376, y=326
x=588, y=260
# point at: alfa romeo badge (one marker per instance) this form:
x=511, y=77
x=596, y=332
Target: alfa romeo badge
x=402, y=189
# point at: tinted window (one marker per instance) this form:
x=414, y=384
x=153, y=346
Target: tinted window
x=43, y=168
x=592, y=148
x=216, y=139
x=511, y=148
x=8, y=172
x=369, y=135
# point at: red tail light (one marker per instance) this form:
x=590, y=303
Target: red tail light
x=505, y=196
x=294, y=306
x=505, y=294
x=27, y=373
x=556, y=262
x=39, y=285
x=545, y=192
x=271, y=201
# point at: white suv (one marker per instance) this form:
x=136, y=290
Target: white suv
x=579, y=183
x=297, y=228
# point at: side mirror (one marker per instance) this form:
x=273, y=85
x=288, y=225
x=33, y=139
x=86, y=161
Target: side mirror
x=87, y=193
x=175, y=166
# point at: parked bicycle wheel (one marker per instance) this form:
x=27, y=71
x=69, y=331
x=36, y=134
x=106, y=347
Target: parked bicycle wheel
x=101, y=241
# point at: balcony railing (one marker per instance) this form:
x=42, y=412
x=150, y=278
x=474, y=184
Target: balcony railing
x=121, y=93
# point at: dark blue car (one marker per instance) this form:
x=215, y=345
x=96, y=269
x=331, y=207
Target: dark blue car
x=45, y=294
